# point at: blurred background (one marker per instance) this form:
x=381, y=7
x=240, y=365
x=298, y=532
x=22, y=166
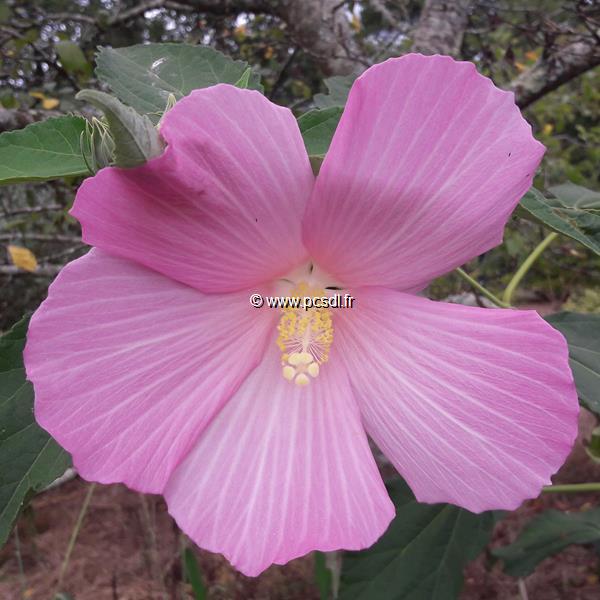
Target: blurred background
x=546, y=51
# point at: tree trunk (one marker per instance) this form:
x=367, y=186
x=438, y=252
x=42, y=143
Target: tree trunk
x=441, y=27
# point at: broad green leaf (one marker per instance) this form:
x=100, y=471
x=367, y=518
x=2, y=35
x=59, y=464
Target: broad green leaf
x=136, y=140
x=574, y=211
x=422, y=554
x=29, y=458
x=577, y=196
x=41, y=151
x=338, y=88
x=583, y=335
x=547, y=535
x=143, y=76
x=317, y=128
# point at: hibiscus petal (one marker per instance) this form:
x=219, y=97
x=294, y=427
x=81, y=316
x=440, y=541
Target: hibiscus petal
x=281, y=471
x=129, y=366
x=426, y=165
x=473, y=406
x=220, y=209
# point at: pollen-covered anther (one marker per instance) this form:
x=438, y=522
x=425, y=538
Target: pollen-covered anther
x=288, y=372
x=305, y=337
x=313, y=369
x=300, y=358
x=302, y=379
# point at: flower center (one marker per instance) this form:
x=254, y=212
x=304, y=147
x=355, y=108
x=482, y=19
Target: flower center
x=305, y=335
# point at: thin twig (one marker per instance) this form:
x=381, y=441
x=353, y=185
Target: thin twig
x=22, y=578
x=527, y=264
x=150, y=530
x=75, y=533
x=38, y=237
x=41, y=271
x=567, y=488
x=477, y=286
x=29, y=210
x=283, y=73
x=522, y=589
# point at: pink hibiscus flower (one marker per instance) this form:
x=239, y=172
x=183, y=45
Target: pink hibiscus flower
x=152, y=369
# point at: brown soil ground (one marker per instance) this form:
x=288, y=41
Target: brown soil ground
x=129, y=549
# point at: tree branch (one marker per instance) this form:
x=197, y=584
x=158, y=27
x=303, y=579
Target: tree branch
x=441, y=27
x=140, y=9
x=551, y=71
x=319, y=27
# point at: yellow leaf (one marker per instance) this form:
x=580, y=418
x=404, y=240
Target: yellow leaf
x=50, y=103
x=47, y=102
x=269, y=52
x=355, y=23
x=548, y=128
x=22, y=258
x=520, y=67
x=532, y=55
x=239, y=33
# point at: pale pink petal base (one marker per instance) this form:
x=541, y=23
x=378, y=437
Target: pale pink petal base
x=427, y=163
x=476, y=407
x=129, y=366
x=220, y=209
x=281, y=471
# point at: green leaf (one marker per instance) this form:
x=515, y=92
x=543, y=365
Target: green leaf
x=73, y=59
x=323, y=576
x=593, y=447
x=41, y=151
x=244, y=81
x=143, y=76
x=583, y=335
x=29, y=458
x=193, y=574
x=422, y=554
x=574, y=211
x=577, y=196
x=547, y=535
x=315, y=163
x=136, y=139
x=338, y=88
x=317, y=128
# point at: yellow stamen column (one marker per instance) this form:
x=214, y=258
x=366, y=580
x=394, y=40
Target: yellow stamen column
x=305, y=337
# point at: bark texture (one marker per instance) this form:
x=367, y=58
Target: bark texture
x=441, y=27
x=552, y=71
